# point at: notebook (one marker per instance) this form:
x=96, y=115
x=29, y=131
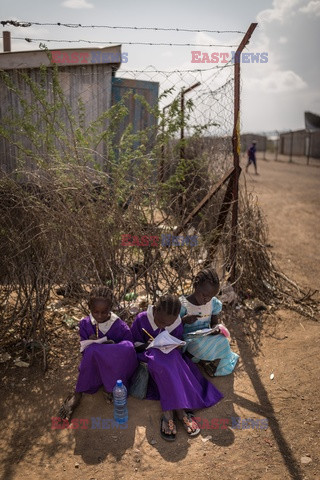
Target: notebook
x=166, y=342
x=85, y=343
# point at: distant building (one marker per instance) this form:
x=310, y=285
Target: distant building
x=247, y=138
x=303, y=142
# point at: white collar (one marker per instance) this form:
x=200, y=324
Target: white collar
x=169, y=329
x=183, y=299
x=105, y=326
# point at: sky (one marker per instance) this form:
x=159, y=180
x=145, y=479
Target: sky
x=274, y=94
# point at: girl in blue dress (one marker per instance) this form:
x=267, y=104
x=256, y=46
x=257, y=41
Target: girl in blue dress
x=199, y=310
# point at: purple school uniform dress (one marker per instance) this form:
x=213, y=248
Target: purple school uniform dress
x=104, y=364
x=174, y=379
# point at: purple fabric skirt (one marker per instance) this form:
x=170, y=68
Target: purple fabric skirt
x=103, y=365
x=177, y=382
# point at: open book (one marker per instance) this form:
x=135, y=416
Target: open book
x=208, y=331
x=85, y=343
x=165, y=342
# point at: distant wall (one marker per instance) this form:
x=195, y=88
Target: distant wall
x=300, y=142
x=247, y=138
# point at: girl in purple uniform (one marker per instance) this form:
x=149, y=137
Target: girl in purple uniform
x=174, y=379
x=102, y=364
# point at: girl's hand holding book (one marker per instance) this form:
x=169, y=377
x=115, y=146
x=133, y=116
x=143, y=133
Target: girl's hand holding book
x=143, y=346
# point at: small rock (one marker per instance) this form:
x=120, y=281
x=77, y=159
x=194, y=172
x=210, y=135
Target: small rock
x=272, y=376
x=20, y=363
x=305, y=460
x=206, y=439
x=153, y=442
x=24, y=380
x=76, y=465
x=4, y=357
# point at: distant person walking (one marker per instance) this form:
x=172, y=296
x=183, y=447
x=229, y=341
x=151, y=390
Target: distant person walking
x=252, y=157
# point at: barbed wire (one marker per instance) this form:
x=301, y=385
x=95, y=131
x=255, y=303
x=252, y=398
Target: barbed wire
x=25, y=24
x=29, y=40
x=165, y=72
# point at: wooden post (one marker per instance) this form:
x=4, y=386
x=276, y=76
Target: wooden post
x=236, y=149
x=6, y=41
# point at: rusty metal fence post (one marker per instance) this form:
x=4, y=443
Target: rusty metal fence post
x=183, y=93
x=236, y=149
x=308, y=146
x=277, y=145
x=291, y=146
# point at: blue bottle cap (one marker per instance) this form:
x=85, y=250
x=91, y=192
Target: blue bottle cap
x=119, y=383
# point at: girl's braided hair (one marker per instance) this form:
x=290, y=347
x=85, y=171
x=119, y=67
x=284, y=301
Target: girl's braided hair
x=169, y=304
x=207, y=275
x=100, y=293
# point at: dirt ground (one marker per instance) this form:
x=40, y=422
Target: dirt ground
x=284, y=344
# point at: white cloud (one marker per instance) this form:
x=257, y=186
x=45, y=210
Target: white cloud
x=278, y=82
x=313, y=8
x=77, y=4
x=167, y=53
x=282, y=10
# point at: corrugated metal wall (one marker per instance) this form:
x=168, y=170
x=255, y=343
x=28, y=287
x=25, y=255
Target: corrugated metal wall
x=90, y=83
x=138, y=114
x=297, y=143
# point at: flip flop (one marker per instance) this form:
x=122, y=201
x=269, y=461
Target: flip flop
x=169, y=437
x=210, y=368
x=67, y=408
x=190, y=418
x=108, y=397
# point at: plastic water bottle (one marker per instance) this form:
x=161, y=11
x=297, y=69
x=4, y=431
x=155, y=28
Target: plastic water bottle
x=120, y=412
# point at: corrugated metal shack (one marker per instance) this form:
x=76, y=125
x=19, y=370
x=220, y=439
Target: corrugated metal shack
x=84, y=74
x=300, y=142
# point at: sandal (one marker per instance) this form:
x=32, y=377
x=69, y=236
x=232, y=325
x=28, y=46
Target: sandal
x=190, y=425
x=108, y=397
x=68, y=407
x=169, y=437
x=210, y=368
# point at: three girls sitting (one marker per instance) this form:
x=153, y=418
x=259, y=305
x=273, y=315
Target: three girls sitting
x=174, y=378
